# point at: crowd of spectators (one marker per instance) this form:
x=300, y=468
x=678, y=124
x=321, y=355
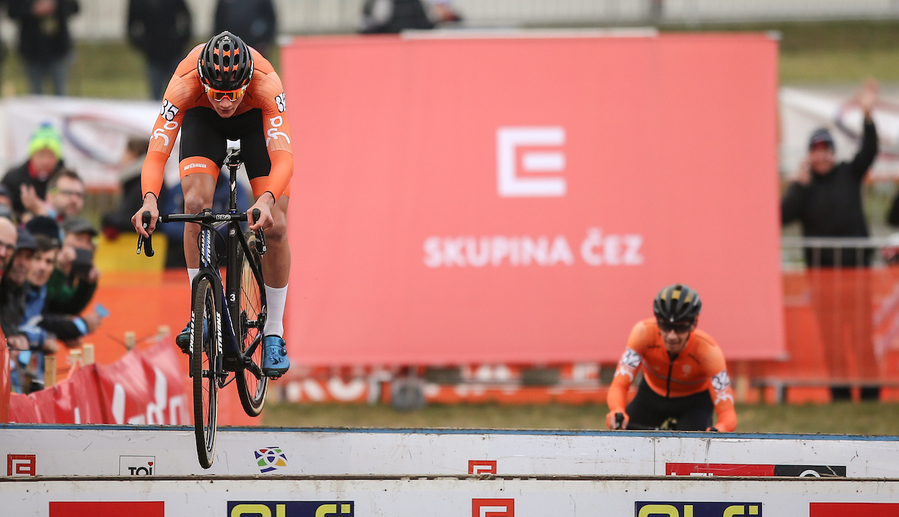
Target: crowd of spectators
x=46, y=253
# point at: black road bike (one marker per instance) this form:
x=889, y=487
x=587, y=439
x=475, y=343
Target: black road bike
x=227, y=318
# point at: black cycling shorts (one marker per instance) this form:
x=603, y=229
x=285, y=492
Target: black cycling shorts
x=649, y=410
x=204, y=133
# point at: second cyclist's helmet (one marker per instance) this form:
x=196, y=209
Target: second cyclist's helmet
x=677, y=303
x=225, y=63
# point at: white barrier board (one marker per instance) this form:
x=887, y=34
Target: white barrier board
x=281, y=497
x=70, y=450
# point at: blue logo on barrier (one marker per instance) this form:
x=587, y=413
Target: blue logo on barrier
x=290, y=509
x=270, y=458
x=700, y=509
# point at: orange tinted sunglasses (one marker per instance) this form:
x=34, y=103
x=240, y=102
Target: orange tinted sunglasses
x=218, y=95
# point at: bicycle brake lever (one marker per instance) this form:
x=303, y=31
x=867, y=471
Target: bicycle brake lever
x=146, y=243
x=260, y=235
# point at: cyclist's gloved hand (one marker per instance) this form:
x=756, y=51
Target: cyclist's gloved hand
x=149, y=205
x=264, y=205
x=613, y=421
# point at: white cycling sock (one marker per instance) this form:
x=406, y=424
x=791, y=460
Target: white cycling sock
x=276, y=298
x=191, y=274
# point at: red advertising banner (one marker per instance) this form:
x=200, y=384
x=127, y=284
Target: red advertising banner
x=844, y=509
x=139, y=391
x=93, y=508
x=523, y=199
x=144, y=387
x=78, y=399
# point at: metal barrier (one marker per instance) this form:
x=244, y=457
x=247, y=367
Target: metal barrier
x=879, y=249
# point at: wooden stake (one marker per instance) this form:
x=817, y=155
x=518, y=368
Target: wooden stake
x=88, y=351
x=130, y=340
x=49, y=371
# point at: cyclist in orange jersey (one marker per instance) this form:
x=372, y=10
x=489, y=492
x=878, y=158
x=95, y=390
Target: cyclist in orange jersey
x=225, y=90
x=684, y=373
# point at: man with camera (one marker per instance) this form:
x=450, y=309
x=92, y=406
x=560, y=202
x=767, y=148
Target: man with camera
x=75, y=278
x=71, y=284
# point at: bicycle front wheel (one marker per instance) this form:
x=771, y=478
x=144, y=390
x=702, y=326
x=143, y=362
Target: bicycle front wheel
x=204, y=352
x=251, y=384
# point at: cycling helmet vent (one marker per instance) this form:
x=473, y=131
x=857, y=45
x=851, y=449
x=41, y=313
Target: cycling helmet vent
x=225, y=63
x=677, y=303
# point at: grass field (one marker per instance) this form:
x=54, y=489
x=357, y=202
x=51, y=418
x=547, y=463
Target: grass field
x=810, y=52
x=840, y=418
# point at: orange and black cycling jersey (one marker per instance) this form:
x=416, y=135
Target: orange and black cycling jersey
x=700, y=366
x=186, y=91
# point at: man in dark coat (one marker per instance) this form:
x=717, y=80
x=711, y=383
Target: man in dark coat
x=254, y=21
x=44, y=40
x=826, y=196
x=160, y=30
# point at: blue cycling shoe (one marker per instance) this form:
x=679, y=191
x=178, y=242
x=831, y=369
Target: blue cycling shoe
x=274, y=357
x=183, y=339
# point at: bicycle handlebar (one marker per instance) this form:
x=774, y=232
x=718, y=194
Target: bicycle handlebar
x=203, y=217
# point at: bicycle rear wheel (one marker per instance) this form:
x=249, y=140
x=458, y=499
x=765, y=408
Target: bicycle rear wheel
x=203, y=366
x=251, y=384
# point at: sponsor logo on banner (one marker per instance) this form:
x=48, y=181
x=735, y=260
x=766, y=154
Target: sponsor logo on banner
x=270, y=458
x=595, y=249
x=137, y=465
x=21, y=465
x=701, y=509
x=129, y=508
x=493, y=508
x=844, y=509
x=482, y=467
x=290, y=509
x=814, y=471
x=737, y=469
x=512, y=184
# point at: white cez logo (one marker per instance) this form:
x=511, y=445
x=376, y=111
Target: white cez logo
x=509, y=183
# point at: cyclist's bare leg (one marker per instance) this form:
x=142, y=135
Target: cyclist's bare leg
x=198, y=190
x=276, y=270
x=276, y=261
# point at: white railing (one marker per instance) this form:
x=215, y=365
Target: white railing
x=879, y=248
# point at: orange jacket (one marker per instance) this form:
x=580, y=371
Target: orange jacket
x=700, y=366
x=185, y=91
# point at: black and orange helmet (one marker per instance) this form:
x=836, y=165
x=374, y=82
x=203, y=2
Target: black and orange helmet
x=225, y=63
x=677, y=303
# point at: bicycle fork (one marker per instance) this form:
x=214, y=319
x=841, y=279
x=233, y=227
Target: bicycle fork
x=208, y=270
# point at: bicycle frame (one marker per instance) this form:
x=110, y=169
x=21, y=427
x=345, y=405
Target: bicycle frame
x=228, y=307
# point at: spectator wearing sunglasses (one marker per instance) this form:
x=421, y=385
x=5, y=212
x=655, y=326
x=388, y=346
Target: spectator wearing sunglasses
x=65, y=197
x=684, y=373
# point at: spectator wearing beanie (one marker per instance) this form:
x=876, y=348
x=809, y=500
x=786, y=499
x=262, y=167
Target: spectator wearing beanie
x=31, y=178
